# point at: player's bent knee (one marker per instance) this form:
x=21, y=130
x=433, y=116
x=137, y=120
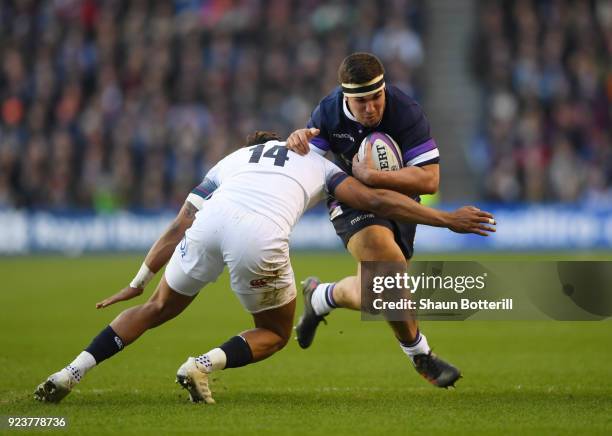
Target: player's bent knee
x=161, y=311
x=278, y=321
x=281, y=342
x=154, y=309
x=275, y=345
x=380, y=252
x=278, y=336
x=165, y=304
x=284, y=340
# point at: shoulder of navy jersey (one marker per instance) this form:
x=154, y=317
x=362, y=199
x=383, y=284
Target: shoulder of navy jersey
x=405, y=121
x=329, y=111
x=326, y=117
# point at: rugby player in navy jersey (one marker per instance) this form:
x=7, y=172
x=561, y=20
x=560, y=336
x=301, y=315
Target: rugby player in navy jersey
x=362, y=104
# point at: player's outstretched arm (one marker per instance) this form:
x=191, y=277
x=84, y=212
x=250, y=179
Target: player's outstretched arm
x=161, y=251
x=397, y=206
x=411, y=180
x=299, y=140
x=126, y=293
x=159, y=254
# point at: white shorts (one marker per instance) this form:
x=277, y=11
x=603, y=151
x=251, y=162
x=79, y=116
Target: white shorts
x=255, y=250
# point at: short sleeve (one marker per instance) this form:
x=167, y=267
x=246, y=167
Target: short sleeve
x=333, y=176
x=205, y=189
x=417, y=145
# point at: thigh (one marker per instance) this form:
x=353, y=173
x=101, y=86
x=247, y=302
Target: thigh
x=375, y=243
x=257, y=256
x=262, y=284
x=191, y=268
x=349, y=222
x=259, y=302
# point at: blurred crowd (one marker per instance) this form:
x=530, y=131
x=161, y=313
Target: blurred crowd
x=545, y=68
x=111, y=104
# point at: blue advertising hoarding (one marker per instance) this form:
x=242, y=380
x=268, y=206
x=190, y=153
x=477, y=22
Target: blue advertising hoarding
x=520, y=228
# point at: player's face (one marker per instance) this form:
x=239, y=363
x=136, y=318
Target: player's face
x=368, y=110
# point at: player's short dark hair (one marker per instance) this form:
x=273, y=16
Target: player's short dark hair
x=261, y=136
x=360, y=68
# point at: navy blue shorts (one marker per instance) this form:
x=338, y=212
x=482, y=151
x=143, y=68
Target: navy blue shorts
x=348, y=221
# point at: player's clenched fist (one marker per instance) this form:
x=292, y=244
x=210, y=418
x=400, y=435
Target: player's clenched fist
x=299, y=140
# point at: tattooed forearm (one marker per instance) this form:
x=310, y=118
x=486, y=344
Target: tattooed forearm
x=161, y=252
x=190, y=210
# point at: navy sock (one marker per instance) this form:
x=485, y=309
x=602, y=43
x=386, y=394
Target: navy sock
x=105, y=345
x=413, y=343
x=237, y=351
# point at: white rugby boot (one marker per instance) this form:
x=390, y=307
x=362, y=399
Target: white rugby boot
x=190, y=377
x=56, y=387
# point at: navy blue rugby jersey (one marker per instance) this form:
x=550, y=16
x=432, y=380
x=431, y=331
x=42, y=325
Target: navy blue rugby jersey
x=403, y=120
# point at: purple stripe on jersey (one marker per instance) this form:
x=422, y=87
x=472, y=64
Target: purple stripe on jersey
x=383, y=137
x=201, y=192
x=419, y=149
x=333, y=204
x=320, y=143
x=205, y=188
x=335, y=180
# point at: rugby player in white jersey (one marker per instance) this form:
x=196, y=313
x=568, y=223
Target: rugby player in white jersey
x=246, y=207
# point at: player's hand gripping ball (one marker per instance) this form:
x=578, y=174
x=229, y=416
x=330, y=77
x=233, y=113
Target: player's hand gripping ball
x=386, y=154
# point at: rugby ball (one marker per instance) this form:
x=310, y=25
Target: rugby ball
x=386, y=154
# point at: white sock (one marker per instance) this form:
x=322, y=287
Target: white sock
x=419, y=346
x=214, y=360
x=322, y=299
x=79, y=366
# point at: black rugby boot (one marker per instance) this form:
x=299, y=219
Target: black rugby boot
x=309, y=321
x=436, y=371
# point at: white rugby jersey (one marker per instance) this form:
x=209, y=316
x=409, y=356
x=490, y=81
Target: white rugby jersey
x=270, y=180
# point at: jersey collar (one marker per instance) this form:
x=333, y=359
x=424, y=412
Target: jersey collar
x=347, y=112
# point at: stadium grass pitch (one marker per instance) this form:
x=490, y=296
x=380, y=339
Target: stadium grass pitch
x=527, y=377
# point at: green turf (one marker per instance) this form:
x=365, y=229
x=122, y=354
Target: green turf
x=520, y=377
